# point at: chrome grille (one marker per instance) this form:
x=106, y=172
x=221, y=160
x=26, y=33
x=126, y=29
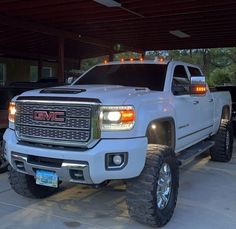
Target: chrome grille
x=56, y=134
x=81, y=123
x=76, y=130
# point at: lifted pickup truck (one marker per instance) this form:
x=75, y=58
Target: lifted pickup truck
x=135, y=120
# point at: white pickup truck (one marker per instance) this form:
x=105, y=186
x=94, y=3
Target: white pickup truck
x=134, y=120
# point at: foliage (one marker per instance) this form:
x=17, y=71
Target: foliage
x=219, y=77
x=90, y=62
x=126, y=55
x=218, y=64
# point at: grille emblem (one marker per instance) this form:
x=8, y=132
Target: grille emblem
x=50, y=116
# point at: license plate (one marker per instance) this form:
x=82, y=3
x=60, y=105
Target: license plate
x=46, y=178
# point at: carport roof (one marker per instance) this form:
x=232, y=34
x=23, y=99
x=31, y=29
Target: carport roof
x=92, y=29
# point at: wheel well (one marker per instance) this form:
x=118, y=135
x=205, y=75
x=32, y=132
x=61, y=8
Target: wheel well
x=225, y=113
x=161, y=131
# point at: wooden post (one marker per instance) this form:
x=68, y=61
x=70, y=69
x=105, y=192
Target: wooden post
x=61, y=60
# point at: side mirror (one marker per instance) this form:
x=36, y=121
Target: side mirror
x=198, y=85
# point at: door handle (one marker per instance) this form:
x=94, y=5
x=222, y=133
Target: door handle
x=210, y=100
x=195, y=102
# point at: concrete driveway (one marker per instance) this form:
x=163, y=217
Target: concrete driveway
x=207, y=199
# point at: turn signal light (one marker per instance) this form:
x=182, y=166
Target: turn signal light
x=198, y=89
x=127, y=116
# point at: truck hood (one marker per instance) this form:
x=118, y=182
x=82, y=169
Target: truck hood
x=107, y=94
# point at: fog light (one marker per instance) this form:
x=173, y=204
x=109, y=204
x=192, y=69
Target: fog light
x=117, y=159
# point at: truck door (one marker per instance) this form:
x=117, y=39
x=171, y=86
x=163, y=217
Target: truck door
x=203, y=109
x=183, y=102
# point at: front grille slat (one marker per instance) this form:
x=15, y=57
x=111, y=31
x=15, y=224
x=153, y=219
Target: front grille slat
x=71, y=123
x=76, y=128
x=56, y=134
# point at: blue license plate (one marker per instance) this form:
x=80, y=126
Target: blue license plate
x=46, y=178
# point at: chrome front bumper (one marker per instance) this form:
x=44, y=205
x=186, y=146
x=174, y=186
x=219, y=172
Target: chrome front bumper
x=77, y=172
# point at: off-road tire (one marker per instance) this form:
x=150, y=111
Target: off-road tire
x=25, y=185
x=141, y=191
x=223, y=148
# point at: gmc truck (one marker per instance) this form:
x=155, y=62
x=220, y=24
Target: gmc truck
x=135, y=120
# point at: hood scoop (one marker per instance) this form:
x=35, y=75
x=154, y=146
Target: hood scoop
x=62, y=91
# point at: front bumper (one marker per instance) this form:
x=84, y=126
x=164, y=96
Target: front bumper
x=90, y=163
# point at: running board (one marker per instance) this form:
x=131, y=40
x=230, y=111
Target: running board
x=186, y=156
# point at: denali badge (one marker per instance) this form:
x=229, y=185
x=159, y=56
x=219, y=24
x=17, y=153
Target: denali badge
x=51, y=116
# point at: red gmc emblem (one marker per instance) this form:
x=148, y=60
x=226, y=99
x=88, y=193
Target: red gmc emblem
x=51, y=116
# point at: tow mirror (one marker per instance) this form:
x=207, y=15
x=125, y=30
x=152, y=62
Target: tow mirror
x=198, y=85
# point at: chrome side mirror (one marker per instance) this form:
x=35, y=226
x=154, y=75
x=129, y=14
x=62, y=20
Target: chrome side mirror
x=198, y=85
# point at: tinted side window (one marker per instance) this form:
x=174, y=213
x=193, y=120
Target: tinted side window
x=180, y=72
x=194, y=71
x=181, y=82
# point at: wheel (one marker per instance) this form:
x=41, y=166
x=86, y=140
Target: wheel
x=3, y=161
x=25, y=185
x=222, y=150
x=152, y=197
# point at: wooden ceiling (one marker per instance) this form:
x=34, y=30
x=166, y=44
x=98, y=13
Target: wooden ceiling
x=92, y=29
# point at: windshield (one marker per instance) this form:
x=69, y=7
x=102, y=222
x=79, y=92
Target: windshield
x=151, y=76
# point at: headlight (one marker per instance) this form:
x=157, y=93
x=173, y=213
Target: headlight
x=12, y=112
x=117, y=117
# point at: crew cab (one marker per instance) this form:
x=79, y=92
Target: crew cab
x=131, y=120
